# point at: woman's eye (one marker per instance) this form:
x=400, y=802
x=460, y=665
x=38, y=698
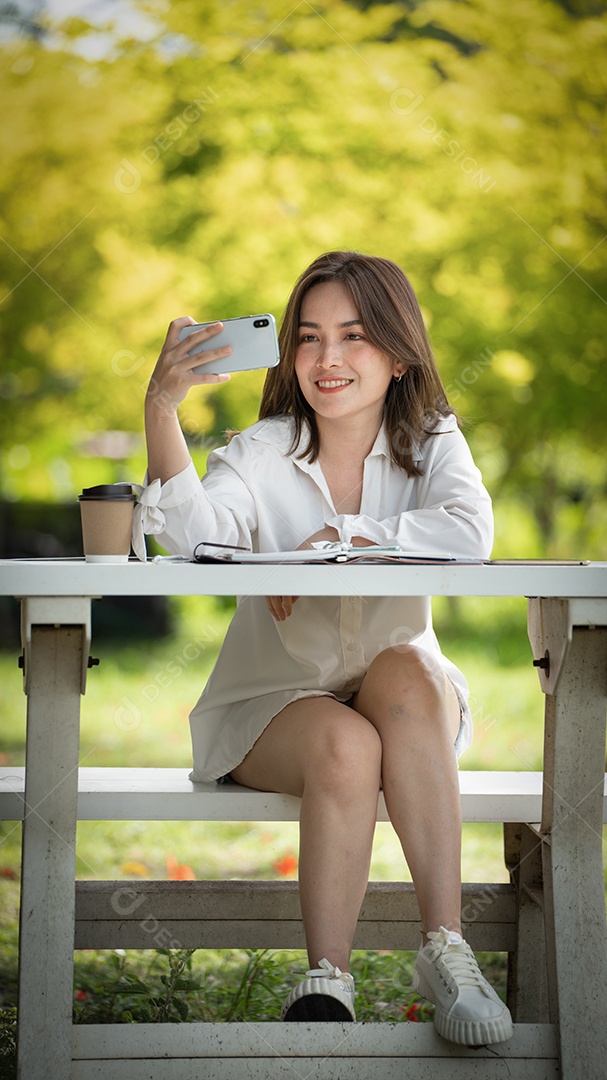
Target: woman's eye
x=355, y=337
x=306, y=338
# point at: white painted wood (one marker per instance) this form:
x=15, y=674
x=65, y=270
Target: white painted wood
x=55, y=611
x=279, y=1067
x=527, y=982
x=74, y=577
x=266, y=914
x=241, y=1039
x=575, y=914
x=46, y=937
x=550, y=624
x=382, y=1051
x=384, y=900
x=261, y=934
x=107, y=794
x=576, y=927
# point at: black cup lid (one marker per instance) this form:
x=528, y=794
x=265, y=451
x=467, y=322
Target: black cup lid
x=108, y=492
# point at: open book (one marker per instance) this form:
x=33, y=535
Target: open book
x=327, y=551
x=346, y=553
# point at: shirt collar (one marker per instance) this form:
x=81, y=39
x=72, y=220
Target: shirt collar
x=278, y=431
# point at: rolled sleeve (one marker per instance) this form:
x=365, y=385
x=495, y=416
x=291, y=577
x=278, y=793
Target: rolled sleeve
x=184, y=512
x=453, y=515
x=156, y=500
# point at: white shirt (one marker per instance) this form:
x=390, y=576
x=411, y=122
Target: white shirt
x=258, y=496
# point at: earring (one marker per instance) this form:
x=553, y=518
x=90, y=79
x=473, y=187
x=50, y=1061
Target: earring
x=397, y=378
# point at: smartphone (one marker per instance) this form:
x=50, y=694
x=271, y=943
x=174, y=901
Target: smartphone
x=253, y=340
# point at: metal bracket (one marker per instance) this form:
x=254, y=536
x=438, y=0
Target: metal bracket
x=55, y=611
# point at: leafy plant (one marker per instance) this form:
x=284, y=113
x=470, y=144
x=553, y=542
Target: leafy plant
x=150, y=1005
x=8, y=1043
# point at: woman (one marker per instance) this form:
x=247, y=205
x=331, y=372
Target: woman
x=331, y=698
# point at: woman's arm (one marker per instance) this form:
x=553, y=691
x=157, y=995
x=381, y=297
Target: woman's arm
x=453, y=513
x=171, y=380
x=173, y=505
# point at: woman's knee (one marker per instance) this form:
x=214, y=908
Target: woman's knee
x=313, y=741
x=404, y=686
x=408, y=669
x=345, y=751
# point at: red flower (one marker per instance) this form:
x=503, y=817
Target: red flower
x=179, y=871
x=81, y=995
x=8, y=872
x=413, y=1012
x=286, y=866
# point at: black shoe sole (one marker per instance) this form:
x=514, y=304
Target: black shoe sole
x=318, y=1007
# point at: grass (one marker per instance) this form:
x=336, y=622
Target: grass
x=135, y=712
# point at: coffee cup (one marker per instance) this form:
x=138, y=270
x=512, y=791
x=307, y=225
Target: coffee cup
x=106, y=512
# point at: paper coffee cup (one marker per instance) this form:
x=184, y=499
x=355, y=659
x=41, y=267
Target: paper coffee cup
x=107, y=520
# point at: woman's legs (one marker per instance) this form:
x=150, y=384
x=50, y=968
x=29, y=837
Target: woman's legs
x=415, y=710
x=403, y=727
x=329, y=755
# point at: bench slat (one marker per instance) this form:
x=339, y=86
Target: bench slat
x=404, y=1051
x=266, y=914
x=108, y=794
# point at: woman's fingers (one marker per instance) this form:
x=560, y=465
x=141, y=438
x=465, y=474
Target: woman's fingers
x=196, y=337
x=180, y=352
x=173, y=375
x=280, y=607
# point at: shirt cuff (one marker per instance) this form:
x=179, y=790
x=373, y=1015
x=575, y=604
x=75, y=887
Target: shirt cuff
x=148, y=517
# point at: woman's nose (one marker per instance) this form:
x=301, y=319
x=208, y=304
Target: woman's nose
x=329, y=354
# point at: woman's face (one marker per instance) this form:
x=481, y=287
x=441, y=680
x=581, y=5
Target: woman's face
x=340, y=373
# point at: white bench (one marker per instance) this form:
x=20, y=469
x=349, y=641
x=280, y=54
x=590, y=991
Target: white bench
x=109, y=794
x=265, y=914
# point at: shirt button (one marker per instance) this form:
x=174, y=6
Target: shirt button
x=351, y=646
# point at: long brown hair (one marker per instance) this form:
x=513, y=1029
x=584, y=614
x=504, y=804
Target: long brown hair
x=390, y=314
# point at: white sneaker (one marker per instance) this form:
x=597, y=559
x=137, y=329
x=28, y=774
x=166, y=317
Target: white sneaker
x=468, y=1010
x=325, y=994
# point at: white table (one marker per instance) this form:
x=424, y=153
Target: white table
x=568, y=633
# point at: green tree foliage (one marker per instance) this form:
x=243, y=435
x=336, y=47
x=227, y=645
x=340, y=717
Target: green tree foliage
x=197, y=162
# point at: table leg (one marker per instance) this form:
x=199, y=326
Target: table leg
x=46, y=952
x=572, y=819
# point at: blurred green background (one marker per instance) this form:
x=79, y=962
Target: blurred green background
x=167, y=159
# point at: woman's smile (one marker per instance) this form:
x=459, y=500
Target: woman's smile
x=329, y=385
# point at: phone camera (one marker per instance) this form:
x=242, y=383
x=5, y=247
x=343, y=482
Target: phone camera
x=261, y=322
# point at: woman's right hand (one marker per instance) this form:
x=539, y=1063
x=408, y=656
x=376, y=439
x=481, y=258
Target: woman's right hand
x=173, y=375
x=280, y=607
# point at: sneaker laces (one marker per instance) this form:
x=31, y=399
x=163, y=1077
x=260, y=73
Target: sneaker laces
x=327, y=970
x=457, y=958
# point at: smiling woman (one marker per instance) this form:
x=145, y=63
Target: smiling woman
x=331, y=698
